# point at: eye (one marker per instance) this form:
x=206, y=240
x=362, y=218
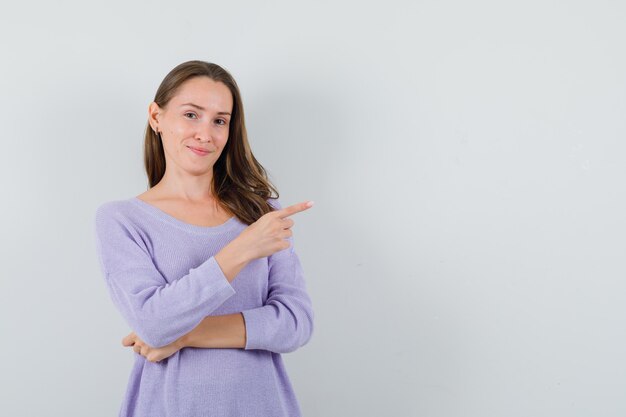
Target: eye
x=222, y=120
x=190, y=113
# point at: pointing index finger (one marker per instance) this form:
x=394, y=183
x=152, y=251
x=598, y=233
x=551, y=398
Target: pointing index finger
x=294, y=208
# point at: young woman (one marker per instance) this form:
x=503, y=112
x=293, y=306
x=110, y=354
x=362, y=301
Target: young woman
x=202, y=265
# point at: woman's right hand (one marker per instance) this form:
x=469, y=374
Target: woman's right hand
x=268, y=234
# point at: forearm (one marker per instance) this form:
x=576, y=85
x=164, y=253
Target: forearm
x=226, y=331
x=232, y=259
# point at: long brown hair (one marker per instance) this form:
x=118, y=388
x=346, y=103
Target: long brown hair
x=240, y=183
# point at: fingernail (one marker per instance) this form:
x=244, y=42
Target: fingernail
x=310, y=203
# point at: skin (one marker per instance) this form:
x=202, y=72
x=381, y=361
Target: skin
x=184, y=192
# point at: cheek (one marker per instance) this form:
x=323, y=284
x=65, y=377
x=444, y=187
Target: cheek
x=223, y=137
x=178, y=130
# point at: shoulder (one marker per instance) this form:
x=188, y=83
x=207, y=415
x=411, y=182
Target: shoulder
x=118, y=223
x=115, y=209
x=119, y=214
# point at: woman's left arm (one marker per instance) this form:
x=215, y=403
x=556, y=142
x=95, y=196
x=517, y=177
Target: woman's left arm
x=226, y=331
x=283, y=324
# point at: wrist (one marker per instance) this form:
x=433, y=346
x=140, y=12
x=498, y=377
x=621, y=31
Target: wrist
x=237, y=251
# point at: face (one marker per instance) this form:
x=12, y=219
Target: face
x=194, y=125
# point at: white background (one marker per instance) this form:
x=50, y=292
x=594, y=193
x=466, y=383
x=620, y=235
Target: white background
x=465, y=255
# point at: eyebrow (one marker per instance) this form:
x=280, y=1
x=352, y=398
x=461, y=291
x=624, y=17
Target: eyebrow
x=202, y=108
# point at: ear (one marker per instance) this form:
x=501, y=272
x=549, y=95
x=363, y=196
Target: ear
x=154, y=112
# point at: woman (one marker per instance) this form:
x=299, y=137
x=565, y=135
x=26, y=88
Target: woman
x=202, y=265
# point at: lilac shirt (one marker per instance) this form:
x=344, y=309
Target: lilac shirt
x=163, y=278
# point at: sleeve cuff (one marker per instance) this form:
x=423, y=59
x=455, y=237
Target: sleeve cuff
x=255, y=320
x=218, y=284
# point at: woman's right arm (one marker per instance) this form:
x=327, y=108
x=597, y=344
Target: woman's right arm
x=231, y=260
x=158, y=311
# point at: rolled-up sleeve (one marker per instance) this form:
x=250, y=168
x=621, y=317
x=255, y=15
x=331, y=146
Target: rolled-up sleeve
x=285, y=321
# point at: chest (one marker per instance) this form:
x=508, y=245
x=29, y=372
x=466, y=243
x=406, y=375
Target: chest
x=175, y=255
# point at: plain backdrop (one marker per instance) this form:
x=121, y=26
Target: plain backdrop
x=465, y=255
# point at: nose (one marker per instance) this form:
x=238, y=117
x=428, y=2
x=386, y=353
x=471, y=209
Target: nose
x=204, y=132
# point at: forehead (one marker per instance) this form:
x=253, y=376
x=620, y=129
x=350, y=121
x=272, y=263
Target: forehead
x=204, y=92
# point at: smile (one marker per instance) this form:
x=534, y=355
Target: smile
x=198, y=151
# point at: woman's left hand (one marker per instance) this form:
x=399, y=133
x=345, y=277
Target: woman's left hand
x=150, y=353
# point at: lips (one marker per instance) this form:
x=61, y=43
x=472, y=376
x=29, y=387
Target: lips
x=199, y=151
